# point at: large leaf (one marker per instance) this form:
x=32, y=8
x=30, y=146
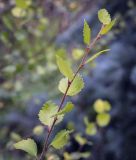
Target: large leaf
x=75, y=87
x=47, y=112
x=64, y=67
x=104, y=16
x=96, y=55
x=108, y=27
x=28, y=146
x=61, y=139
x=86, y=33
x=68, y=108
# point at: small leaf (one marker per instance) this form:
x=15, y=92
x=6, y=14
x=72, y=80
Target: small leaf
x=103, y=119
x=28, y=146
x=47, y=112
x=38, y=130
x=77, y=53
x=85, y=155
x=91, y=129
x=23, y=3
x=75, y=87
x=15, y=137
x=104, y=16
x=61, y=139
x=76, y=155
x=18, y=12
x=68, y=108
x=67, y=156
x=81, y=140
x=96, y=55
x=100, y=106
x=86, y=33
x=86, y=121
x=64, y=67
x=7, y=22
x=108, y=27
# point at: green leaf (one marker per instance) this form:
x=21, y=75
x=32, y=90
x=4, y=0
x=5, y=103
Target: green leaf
x=103, y=119
x=101, y=106
x=7, y=22
x=38, y=130
x=64, y=67
x=76, y=155
x=18, y=12
x=61, y=139
x=96, y=55
x=81, y=140
x=28, y=146
x=15, y=137
x=77, y=53
x=47, y=112
x=75, y=87
x=108, y=27
x=23, y=3
x=104, y=16
x=68, y=108
x=86, y=33
x=86, y=121
x=91, y=129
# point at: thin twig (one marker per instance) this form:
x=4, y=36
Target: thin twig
x=87, y=50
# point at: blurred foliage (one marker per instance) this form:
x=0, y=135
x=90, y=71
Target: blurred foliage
x=27, y=62
x=28, y=32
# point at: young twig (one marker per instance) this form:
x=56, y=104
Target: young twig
x=87, y=50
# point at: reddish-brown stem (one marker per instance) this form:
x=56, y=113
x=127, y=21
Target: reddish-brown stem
x=87, y=50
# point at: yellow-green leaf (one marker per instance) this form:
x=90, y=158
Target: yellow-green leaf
x=46, y=114
x=18, y=12
x=108, y=27
x=68, y=108
x=86, y=121
x=61, y=139
x=77, y=53
x=86, y=33
x=101, y=106
x=103, y=119
x=104, y=16
x=96, y=55
x=81, y=140
x=15, y=137
x=23, y=3
x=28, y=146
x=38, y=130
x=91, y=129
x=64, y=67
x=76, y=155
x=75, y=87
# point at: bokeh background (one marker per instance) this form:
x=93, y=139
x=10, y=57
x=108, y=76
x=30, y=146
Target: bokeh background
x=31, y=34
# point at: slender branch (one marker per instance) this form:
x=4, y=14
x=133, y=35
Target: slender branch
x=87, y=50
